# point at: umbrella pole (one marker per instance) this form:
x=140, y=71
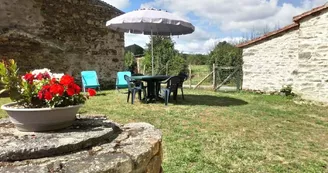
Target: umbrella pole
x=152, y=54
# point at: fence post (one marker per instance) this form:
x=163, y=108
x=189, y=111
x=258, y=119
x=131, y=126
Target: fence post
x=167, y=68
x=189, y=76
x=238, y=78
x=214, y=75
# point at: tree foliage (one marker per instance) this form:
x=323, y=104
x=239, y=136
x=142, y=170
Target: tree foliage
x=197, y=59
x=129, y=61
x=166, y=58
x=225, y=54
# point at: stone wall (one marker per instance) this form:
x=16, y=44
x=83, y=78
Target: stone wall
x=271, y=64
x=298, y=57
x=312, y=74
x=66, y=36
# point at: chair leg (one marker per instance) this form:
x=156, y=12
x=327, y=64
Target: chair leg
x=167, y=97
x=139, y=94
x=128, y=97
x=144, y=93
x=133, y=96
x=175, y=94
x=182, y=93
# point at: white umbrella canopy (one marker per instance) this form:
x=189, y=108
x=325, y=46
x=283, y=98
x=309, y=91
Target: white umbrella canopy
x=151, y=22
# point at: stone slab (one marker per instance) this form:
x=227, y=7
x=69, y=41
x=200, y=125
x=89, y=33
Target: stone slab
x=86, y=132
x=137, y=148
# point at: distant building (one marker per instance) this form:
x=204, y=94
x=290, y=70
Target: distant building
x=296, y=54
x=66, y=36
x=137, y=50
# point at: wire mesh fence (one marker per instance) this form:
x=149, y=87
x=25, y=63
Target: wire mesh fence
x=215, y=77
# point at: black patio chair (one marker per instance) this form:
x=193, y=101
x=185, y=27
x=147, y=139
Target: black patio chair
x=183, y=77
x=172, y=85
x=132, y=89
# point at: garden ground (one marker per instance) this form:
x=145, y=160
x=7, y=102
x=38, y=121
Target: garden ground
x=228, y=132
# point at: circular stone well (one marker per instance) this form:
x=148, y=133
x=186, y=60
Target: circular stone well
x=92, y=144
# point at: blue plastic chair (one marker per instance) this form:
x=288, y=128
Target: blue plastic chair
x=90, y=80
x=120, y=81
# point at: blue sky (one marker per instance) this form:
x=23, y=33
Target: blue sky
x=219, y=20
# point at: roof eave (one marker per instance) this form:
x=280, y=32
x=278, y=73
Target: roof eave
x=309, y=13
x=269, y=35
x=296, y=20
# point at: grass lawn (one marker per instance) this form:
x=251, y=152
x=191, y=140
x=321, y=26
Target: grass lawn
x=228, y=132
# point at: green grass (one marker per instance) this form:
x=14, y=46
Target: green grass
x=228, y=132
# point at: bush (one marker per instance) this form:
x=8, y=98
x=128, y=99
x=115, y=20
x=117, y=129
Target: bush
x=287, y=90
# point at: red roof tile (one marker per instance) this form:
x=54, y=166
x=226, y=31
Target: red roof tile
x=269, y=34
x=311, y=12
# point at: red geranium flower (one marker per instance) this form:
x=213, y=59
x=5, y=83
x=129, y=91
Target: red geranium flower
x=40, y=95
x=76, y=88
x=39, y=76
x=66, y=80
x=46, y=75
x=45, y=87
x=57, y=89
x=29, y=77
x=91, y=92
x=47, y=96
x=53, y=81
x=70, y=91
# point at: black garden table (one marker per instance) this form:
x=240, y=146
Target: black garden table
x=153, y=84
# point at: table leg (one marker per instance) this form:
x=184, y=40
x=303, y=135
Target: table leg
x=151, y=90
x=158, y=89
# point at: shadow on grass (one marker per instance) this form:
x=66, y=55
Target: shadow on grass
x=101, y=94
x=209, y=100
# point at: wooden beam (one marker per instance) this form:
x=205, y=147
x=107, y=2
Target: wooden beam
x=203, y=80
x=227, y=68
x=225, y=80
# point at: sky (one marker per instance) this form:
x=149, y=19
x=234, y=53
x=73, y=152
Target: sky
x=219, y=20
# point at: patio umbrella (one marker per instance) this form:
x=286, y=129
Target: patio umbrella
x=151, y=22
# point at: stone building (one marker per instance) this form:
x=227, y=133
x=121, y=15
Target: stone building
x=295, y=55
x=66, y=36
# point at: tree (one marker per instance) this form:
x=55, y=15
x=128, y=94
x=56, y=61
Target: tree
x=129, y=61
x=225, y=54
x=197, y=59
x=164, y=56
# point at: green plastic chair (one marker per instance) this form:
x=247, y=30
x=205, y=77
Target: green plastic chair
x=120, y=81
x=134, y=89
x=90, y=80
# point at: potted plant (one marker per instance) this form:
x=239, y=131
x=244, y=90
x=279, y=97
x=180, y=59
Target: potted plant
x=42, y=101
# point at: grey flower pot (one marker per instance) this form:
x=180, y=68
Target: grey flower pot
x=41, y=119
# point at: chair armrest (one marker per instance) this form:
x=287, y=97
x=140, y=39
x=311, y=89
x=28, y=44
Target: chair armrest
x=165, y=81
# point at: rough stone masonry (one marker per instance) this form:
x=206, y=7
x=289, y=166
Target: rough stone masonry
x=66, y=36
x=92, y=144
x=295, y=55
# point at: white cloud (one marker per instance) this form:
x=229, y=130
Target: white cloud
x=203, y=47
x=138, y=39
x=238, y=15
x=120, y=4
x=215, y=19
